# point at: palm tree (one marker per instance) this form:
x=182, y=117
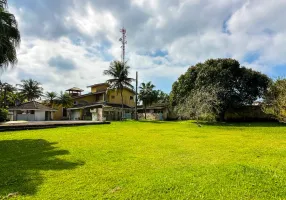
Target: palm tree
x=147, y=95
x=65, y=100
x=51, y=96
x=119, y=72
x=31, y=89
x=5, y=89
x=9, y=36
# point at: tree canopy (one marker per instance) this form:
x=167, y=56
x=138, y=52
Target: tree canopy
x=9, y=36
x=238, y=85
x=31, y=89
x=275, y=100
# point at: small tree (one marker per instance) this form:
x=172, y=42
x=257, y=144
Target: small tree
x=201, y=104
x=65, y=100
x=51, y=96
x=275, y=100
x=147, y=95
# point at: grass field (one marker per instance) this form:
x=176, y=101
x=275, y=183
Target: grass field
x=145, y=160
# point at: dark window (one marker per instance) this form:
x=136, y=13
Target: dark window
x=32, y=112
x=75, y=103
x=65, y=114
x=131, y=97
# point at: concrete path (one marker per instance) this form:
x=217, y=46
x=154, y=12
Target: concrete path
x=25, y=125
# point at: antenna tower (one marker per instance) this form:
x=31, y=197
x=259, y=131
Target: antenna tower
x=123, y=43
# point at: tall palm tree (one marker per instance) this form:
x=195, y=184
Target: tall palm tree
x=51, y=96
x=9, y=36
x=31, y=89
x=119, y=72
x=147, y=95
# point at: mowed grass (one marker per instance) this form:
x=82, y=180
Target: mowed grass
x=145, y=160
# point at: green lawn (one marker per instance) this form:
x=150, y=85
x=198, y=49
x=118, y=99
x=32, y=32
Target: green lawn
x=145, y=160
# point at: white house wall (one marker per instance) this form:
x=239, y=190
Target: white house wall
x=40, y=116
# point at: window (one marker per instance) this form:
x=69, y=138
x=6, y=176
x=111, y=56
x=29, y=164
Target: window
x=32, y=112
x=75, y=103
x=131, y=97
x=112, y=97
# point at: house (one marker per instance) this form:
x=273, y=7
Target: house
x=101, y=103
x=153, y=112
x=32, y=111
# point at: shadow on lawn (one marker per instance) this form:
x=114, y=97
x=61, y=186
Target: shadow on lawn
x=22, y=160
x=243, y=124
x=153, y=122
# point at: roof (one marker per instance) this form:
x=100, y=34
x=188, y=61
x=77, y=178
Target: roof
x=75, y=89
x=90, y=94
x=32, y=105
x=99, y=105
x=98, y=84
x=154, y=106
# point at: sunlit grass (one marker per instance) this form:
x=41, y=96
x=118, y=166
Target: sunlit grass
x=145, y=160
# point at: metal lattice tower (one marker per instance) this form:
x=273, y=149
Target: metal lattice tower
x=123, y=42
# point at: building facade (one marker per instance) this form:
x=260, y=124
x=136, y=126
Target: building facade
x=32, y=111
x=102, y=103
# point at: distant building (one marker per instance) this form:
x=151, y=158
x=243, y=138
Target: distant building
x=102, y=103
x=153, y=112
x=32, y=111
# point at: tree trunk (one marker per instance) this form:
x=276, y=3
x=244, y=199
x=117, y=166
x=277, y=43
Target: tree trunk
x=5, y=97
x=122, y=115
x=145, y=110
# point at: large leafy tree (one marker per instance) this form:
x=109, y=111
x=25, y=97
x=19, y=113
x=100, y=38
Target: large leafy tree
x=51, y=96
x=31, y=89
x=147, y=94
x=9, y=36
x=119, y=73
x=238, y=85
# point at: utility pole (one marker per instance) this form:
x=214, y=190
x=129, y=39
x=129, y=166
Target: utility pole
x=136, y=96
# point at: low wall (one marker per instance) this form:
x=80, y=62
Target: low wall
x=150, y=116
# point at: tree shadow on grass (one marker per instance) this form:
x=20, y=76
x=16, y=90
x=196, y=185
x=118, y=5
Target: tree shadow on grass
x=22, y=160
x=243, y=124
x=153, y=122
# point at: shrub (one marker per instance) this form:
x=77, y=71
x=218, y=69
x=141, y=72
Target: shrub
x=3, y=114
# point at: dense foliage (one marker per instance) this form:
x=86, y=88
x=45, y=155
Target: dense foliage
x=275, y=100
x=238, y=85
x=3, y=114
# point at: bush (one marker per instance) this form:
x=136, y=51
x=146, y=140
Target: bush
x=3, y=115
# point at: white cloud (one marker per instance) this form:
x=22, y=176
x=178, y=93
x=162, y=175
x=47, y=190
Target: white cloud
x=191, y=31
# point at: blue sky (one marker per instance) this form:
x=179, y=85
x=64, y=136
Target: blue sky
x=67, y=43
